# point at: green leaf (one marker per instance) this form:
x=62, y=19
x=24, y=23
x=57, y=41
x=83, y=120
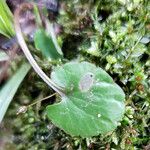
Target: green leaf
x=93, y=103
x=45, y=43
x=9, y=89
x=6, y=20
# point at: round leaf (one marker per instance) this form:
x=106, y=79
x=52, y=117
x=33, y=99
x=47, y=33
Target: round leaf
x=93, y=103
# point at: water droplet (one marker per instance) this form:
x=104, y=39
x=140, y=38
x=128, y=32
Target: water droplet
x=99, y=115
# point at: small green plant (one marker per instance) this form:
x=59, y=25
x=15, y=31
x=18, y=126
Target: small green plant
x=91, y=103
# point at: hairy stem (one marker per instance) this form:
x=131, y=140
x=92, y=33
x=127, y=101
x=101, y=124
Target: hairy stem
x=27, y=53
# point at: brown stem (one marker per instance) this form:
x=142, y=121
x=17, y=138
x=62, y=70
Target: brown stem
x=27, y=53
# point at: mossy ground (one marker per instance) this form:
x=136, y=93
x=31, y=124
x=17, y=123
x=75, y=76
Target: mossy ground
x=114, y=35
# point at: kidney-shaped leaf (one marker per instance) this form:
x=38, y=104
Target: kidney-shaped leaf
x=93, y=103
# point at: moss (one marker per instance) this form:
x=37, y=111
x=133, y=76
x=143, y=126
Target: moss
x=116, y=28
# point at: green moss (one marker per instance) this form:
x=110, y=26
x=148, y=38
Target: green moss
x=116, y=28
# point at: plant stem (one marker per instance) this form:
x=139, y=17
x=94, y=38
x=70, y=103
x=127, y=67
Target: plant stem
x=41, y=100
x=27, y=53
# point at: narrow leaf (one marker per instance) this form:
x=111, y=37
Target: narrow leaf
x=6, y=20
x=45, y=43
x=9, y=89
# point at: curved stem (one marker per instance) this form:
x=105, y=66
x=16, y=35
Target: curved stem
x=27, y=53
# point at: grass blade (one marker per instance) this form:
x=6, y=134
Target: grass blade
x=9, y=89
x=6, y=20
